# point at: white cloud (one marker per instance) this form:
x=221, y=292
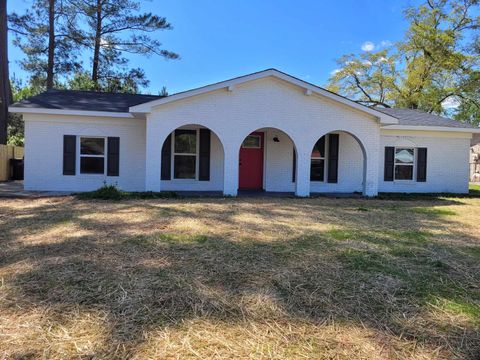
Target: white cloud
x=368, y=46
x=334, y=72
x=367, y=63
x=450, y=103
x=385, y=43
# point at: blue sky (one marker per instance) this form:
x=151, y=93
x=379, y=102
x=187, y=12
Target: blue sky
x=220, y=39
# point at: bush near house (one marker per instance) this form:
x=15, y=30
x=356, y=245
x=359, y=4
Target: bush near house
x=112, y=192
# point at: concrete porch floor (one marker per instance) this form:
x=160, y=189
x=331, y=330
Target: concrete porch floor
x=14, y=189
x=265, y=194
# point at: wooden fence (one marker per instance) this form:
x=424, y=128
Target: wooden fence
x=8, y=152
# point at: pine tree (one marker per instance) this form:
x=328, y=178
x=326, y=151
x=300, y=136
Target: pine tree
x=5, y=95
x=48, y=35
x=115, y=27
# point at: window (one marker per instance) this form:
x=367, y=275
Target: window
x=92, y=155
x=404, y=162
x=252, y=142
x=185, y=154
x=317, y=165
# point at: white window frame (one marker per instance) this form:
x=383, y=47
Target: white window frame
x=104, y=156
x=197, y=148
x=413, y=164
x=324, y=158
x=253, y=147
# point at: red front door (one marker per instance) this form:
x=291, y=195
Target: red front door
x=251, y=162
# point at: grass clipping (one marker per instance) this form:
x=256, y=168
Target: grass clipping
x=239, y=278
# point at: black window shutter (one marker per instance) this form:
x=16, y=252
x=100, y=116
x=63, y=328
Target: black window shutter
x=389, y=163
x=69, y=154
x=113, y=160
x=422, y=164
x=166, y=170
x=333, y=158
x=204, y=158
x=294, y=169
x=321, y=145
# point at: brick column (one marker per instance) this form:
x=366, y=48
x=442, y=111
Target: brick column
x=230, y=170
x=302, y=185
x=153, y=155
x=370, y=186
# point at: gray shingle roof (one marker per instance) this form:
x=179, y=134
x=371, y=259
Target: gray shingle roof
x=420, y=118
x=120, y=102
x=84, y=100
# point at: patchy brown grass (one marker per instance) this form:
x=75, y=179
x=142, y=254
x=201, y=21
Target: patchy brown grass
x=240, y=278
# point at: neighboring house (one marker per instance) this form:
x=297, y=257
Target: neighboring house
x=475, y=159
x=264, y=131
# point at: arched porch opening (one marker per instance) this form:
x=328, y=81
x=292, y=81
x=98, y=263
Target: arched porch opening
x=338, y=164
x=267, y=161
x=192, y=160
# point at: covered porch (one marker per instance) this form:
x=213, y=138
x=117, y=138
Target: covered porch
x=266, y=131
x=195, y=160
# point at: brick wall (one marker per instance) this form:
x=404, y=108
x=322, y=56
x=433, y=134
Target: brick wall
x=447, y=161
x=44, y=152
x=264, y=103
x=274, y=105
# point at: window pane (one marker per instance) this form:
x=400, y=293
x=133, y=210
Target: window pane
x=92, y=146
x=403, y=172
x=184, y=166
x=92, y=165
x=317, y=169
x=404, y=156
x=186, y=141
x=252, y=141
x=319, y=148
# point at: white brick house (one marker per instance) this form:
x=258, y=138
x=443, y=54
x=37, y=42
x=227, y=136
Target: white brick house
x=264, y=131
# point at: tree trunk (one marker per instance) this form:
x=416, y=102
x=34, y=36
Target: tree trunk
x=98, y=39
x=51, y=43
x=4, y=78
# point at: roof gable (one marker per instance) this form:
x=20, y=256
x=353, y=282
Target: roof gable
x=229, y=85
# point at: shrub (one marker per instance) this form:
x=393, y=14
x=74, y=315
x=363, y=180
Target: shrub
x=106, y=192
x=111, y=192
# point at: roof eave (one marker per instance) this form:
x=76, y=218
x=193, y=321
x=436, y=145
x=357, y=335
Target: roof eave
x=44, y=111
x=432, y=128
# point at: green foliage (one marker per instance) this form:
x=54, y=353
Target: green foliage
x=106, y=29
x=106, y=192
x=163, y=91
x=81, y=81
x=112, y=192
x=113, y=28
x=474, y=190
x=169, y=239
x=31, y=34
x=369, y=78
x=459, y=306
x=434, y=64
x=15, y=126
x=433, y=211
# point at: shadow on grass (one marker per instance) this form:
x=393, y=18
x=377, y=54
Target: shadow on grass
x=364, y=272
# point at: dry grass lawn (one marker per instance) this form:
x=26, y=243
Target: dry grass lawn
x=240, y=278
